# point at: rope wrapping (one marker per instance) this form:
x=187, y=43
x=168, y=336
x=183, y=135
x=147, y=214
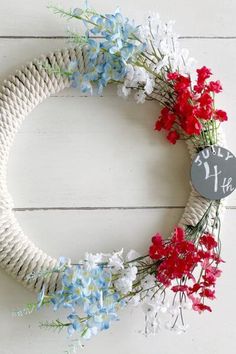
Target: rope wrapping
x=19, y=95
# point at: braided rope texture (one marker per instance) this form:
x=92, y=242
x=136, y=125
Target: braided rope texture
x=19, y=95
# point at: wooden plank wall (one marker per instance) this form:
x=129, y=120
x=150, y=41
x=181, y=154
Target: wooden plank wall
x=91, y=174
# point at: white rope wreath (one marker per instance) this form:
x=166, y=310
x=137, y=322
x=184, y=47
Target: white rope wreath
x=19, y=95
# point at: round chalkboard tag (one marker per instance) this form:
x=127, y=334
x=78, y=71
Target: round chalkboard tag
x=213, y=172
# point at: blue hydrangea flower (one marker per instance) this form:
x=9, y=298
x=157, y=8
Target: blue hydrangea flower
x=107, y=58
x=78, y=80
x=93, y=48
x=99, y=22
x=90, y=298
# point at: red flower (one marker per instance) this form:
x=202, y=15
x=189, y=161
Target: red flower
x=157, y=240
x=205, y=99
x=195, y=288
x=157, y=250
x=208, y=241
x=165, y=112
x=203, y=74
x=192, y=126
x=204, y=255
x=214, y=271
x=158, y=125
x=214, y=86
x=204, y=113
x=189, y=106
x=201, y=307
x=211, y=275
x=178, y=235
x=209, y=279
x=173, y=136
x=184, y=105
x=178, y=258
x=217, y=258
x=182, y=84
x=173, y=76
x=198, y=88
x=177, y=288
x=210, y=294
x=166, y=120
x=221, y=115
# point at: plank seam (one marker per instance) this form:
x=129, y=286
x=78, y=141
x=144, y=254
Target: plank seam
x=68, y=37
x=105, y=208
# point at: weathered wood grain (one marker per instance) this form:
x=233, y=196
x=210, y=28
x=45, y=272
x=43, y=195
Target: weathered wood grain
x=193, y=18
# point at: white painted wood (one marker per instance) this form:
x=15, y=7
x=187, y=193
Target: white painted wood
x=102, y=152
x=73, y=232
x=194, y=18
x=97, y=230
x=95, y=152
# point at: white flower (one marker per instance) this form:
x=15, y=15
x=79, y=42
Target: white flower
x=158, y=310
x=150, y=309
x=164, y=307
x=115, y=261
x=140, y=75
x=174, y=310
x=129, y=72
x=169, y=325
x=161, y=64
x=152, y=326
x=123, y=91
x=92, y=260
x=154, y=307
x=152, y=320
x=132, y=255
x=152, y=304
x=148, y=282
x=160, y=35
x=165, y=47
x=178, y=306
x=125, y=283
x=131, y=272
x=149, y=86
x=140, y=96
x=189, y=66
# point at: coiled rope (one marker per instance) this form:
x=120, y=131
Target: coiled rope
x=19, y=95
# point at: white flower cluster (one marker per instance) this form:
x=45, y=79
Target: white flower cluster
x=163, y=51
x=137, y=77
x=160, y=312
x=116, y=263
x=159, y=308
x=161, y=36
x=125, y=283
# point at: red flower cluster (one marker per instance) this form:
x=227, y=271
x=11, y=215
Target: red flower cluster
x=190, y=106
x=177, y=260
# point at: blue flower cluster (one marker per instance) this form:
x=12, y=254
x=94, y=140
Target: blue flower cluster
x=107, y=57
x=90, y=297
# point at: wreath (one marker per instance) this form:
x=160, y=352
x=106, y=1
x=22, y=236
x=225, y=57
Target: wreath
x=175, y=274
